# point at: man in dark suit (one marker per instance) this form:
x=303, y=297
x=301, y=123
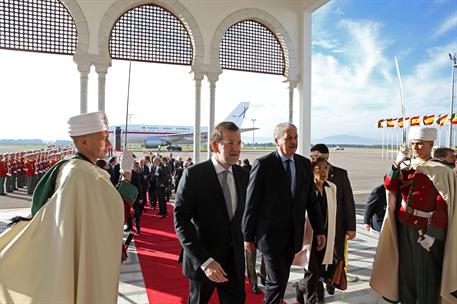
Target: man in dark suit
x=279, y=192
x=345, y=210
x=208, y=211
x=375, y=209
x=161, y=183
x=145, y=175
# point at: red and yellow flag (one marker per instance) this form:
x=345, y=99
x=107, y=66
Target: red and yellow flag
x=391, y=122
x=454, y=119
x=381, y=123
x=414, y=121
x=442, y=119
x=428, y=120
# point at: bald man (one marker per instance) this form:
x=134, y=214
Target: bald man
x=69, y=249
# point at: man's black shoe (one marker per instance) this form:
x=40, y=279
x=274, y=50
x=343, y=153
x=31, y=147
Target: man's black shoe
x=298, y=294
x=255, y=289
x=330, y=289
x=262, y=281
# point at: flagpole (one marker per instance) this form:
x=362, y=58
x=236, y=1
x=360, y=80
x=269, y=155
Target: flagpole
x=403, y=111
x=454, y=66
x=396, y=132
x=439, y=136
x=382, y=145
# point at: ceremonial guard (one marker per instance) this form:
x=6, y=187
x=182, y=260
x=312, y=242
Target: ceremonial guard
x=20, y=170
x=3, y=172
x=69, y=249
x=9, y=175
x=416, y=258
x=30, y=173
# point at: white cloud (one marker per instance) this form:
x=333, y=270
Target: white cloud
x=325, y=43
x=365, y=48
x=447, y=25
x=346, y=95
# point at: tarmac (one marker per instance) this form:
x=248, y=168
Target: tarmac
x=366, y=170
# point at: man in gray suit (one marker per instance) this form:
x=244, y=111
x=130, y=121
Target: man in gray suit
x=280, y=191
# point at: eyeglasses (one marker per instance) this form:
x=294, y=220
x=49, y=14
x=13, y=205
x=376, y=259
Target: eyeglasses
x=231, y=143
x=319, y=168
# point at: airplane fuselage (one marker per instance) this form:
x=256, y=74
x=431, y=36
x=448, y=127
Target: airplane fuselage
x=154, y=135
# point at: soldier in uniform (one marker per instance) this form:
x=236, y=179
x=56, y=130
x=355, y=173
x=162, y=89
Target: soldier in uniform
x=9, y=175
x=415, y=260
x=20, y=169
x=3, y=172
x=30, y=173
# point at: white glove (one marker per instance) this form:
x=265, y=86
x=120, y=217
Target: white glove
x=427, y=242
x=127, y=161
x=402, y=155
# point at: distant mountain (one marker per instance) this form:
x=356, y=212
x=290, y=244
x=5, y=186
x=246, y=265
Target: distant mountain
x=22, y=142
x=347, y=140
x=16, y=142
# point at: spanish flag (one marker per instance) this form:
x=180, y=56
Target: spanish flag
x=391, y=122
x=414, y=121
x=381, y=123
x=454, y=119
x=400, y=122
x=441, y=120
x=428, y=120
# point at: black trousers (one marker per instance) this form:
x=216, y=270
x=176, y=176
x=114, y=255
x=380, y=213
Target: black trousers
x=153, y=196
x=312, y=288
x=231, y=292
x=419, y=269
x=137, y=215
x=161, y=199
x=278, y=270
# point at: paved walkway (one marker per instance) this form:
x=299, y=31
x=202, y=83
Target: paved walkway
x=361, y=253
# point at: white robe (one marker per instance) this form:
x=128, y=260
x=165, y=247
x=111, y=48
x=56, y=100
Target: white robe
x=70, y=252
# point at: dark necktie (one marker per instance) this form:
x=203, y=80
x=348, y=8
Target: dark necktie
x=289, y=173
x=226, y=191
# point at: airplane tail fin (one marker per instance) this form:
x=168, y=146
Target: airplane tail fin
x=237, y=116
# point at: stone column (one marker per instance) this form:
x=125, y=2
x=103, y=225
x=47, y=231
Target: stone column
x=84, y=70
x=212, y=79
x=304, y=127
x=101, y=70
x=292, y=86
x=198, y=77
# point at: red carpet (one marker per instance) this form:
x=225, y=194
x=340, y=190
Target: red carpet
x=158, y=250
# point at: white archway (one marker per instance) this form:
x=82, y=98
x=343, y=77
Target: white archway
x=264, y=18
x=175, y=7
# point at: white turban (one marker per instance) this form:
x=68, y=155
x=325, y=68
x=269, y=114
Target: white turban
x=87, y=123
x=422, y=133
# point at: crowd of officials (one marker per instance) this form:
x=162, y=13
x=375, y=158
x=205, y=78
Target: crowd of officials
x=155, y=177
x=294, y=210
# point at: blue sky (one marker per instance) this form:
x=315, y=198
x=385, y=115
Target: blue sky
x=354, y=76
x=354, y=80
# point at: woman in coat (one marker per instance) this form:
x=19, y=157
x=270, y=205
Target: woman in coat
x=315, y=262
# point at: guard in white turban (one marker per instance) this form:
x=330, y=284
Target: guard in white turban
x=416, y=259
x=69, y=249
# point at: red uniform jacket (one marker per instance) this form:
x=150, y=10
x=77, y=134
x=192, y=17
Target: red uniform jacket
x=3, y=168
x=419, y=193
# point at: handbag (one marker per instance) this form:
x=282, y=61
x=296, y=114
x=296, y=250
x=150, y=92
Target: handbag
x=335, y=275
